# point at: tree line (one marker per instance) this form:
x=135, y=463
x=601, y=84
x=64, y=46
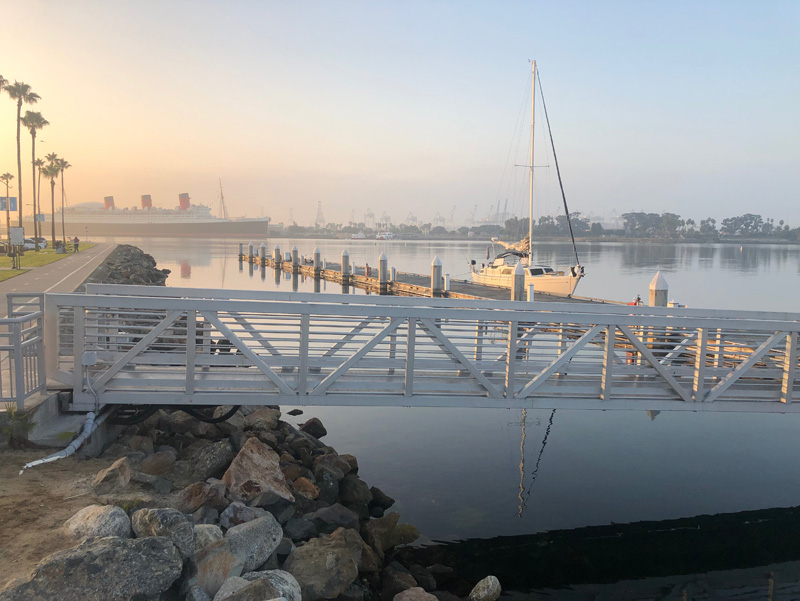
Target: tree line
x=52, y=166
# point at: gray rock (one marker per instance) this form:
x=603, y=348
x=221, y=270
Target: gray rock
x=380, y=498
x=328, y=519
x=324, y=567
x=352, y=461
x=234, y=423
x=97, y=521
x=197, y=594
x=487, y=589
x=384, y=533
x=114, y=478
x=169, y=523
x=254, y=541
x=239, y=513
x=158, y=463
x=255, y=475
x=205, y=515
x=300, y=529
x=211, y=566
x=327, y=480
x=160, y=485
x=423, y=577
x=230, y=586
x=205, y=534
x=129, y=568
x=208, y=461
x=262, y=419
x=415, y=593
x=394, y=582
x=258, y=590
x=284, y=584
x=367, y=560
x=355, y=494
x=314, y=427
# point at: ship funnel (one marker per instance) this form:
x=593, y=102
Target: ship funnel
x=147, y=202
x=183, y=201
x=108, y=201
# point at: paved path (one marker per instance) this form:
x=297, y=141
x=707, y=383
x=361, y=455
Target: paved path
x=61, y=276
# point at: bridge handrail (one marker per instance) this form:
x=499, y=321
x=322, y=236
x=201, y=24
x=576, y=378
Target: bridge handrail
x=23, y=333
x=425, y=302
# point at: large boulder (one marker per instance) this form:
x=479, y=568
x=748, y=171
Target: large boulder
x=384, y=533
x=255, y=476
x=202, y=494
x=103, y=569
x=244, y=548
x=325, y=567
x=159, y=463
x=328, y=519
x=239, y=513
x=97, y=521
x=207, y=461
x=114, y=478
x=314, y=427
x=355, y=494
x=487, y=589
x=205, y=534
x=367, y=559
x=282, y=584
x=262, y=419
x=169, y=523
x=229, y=587
x=416, y=593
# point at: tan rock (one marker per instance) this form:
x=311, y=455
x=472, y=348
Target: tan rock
x=255, y=472
x=113, y=478
x=305, y=487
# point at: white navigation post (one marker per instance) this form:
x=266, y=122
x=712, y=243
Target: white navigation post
x=295, y=260
x=383, y=274
x=262, y=254
x=659, y=291
x=518, y=287
x=436, y=277
x=317, y=263
x=250, y=248
x=276, y=257
x=345, y=267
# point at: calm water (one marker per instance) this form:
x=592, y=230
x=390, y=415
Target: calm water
x=457, y=474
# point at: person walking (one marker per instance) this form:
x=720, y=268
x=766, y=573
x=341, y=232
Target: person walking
x=75, y=243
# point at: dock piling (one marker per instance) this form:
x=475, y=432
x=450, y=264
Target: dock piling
x=518, y=287
x=250, y=248
x=276, y=257
x=345, y=268
x=241, y=251
x=383, y=274
x=659, y=291
x=530, y=293
x=295, y=260
x=317, y=263
x=436, y=277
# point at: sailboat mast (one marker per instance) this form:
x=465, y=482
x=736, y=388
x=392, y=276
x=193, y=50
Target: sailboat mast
x=223, y=209
x=530, y=176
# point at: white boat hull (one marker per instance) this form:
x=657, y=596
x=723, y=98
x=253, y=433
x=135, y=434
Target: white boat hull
x=558, y=283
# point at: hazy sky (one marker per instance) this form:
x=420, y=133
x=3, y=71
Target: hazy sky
x=690, y=107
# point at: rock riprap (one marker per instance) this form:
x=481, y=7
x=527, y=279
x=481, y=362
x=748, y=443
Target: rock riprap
x=98, y=521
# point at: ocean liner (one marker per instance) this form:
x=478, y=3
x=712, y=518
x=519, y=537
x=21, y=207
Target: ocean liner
x=95, y=219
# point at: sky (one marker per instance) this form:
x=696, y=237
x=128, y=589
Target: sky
x=410, y=108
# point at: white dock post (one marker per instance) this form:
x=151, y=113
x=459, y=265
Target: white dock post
x=447, y=282
x=345, y=267
x=394, y=274
x=317, y=263
x=241, y=251
x=436, y=277
x=659, y=291
x=295, y=260
x=530, y=293
x=250, y=248
x=276, y=257
x=324, y=264
x=262, y=254
x=287, y=256
x=383, y=274
x=518, y=286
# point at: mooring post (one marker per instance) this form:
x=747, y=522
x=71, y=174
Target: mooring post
x=345, y=268
x=659, y=291
x=317, y=264
x=394, y=274
x=530, y=293
x=383, y=274
x=241, y=251
x=276, y=257
x=436, y=277
x=250, y=248
x=518, y=286
x=295, y=260
x=262, y=254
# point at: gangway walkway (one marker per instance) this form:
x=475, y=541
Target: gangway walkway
x=153, y=345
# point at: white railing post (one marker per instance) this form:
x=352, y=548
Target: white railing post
x=789, y=368
x=18, y=384
x=302, y=376
x=410, y=343
x=608, y=364
x=698, y=384
x=511, y=359
x=191, y=347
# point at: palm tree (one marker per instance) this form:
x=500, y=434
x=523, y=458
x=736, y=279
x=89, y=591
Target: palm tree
x=51, y=172
x=34, y=122
x=62, y=165
x=6, y=178
x=52, y=161
x=3, y=82
x=39, y=164
x=21, y=92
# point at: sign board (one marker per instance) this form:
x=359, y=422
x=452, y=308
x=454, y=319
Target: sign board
x=3, y=202
x=17, y=236
x=40, y=217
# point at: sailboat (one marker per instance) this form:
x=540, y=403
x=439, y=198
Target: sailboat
x=499, y=272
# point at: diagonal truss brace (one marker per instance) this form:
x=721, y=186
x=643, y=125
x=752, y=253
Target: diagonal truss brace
x=657, y=365
x=757, y=354
x=347, y=338
x=436, y=332
x=248, y=352
x=559, y=361
x=355, y=357
x=255, y=334
x=165, y=323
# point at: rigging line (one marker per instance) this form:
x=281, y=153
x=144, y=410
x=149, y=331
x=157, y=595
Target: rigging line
x=535, y=472
x=514, y=136
x=558, y=171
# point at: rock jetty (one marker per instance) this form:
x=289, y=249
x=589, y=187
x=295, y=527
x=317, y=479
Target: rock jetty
x=128, y=264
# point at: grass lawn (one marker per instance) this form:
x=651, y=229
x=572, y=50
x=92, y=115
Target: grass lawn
x=45, y=256
x=7, y=274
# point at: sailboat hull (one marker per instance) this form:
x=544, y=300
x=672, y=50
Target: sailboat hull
x=560, y=284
